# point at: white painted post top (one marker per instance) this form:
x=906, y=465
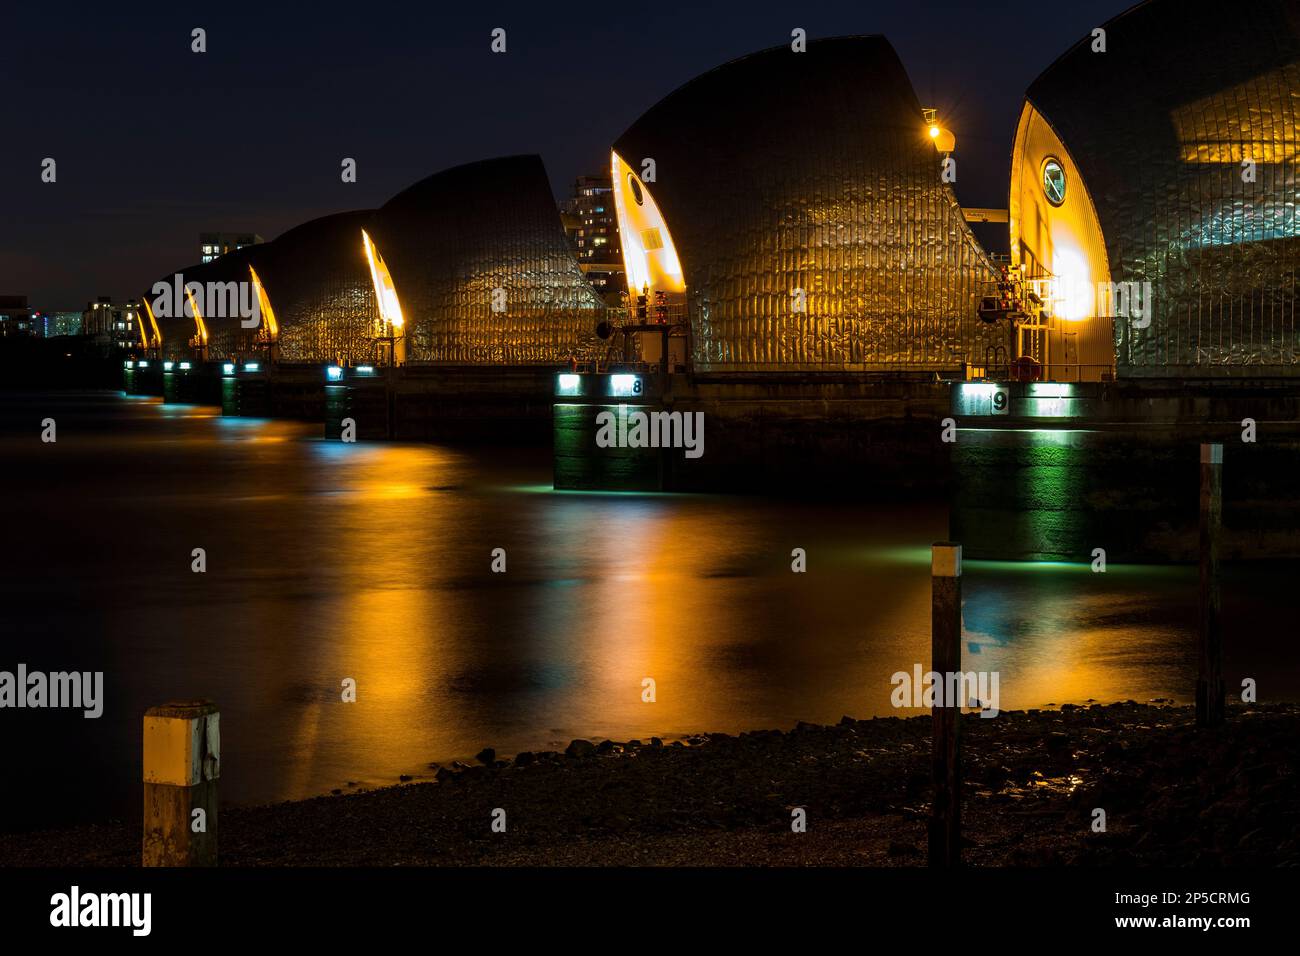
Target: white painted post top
x=182, y=743
x=945, y=560
x=1211, y=453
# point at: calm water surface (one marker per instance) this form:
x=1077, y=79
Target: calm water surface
x=372, y=561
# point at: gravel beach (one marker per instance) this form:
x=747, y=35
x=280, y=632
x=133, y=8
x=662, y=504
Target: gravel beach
x=1173, y=796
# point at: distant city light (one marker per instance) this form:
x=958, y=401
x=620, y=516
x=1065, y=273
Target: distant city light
x=334, y=373
x=167, y=366
x=185, y=366
x=251, y=366
x=569, y=384
x=365, y=370
x=144, y=364
x=228, y=368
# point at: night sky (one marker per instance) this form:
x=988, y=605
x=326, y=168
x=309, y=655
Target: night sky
x=155, y=144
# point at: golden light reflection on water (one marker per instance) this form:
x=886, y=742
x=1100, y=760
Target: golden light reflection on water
x=373, y=562
x=1064, y=634
x=653, y=610
x=385, y=629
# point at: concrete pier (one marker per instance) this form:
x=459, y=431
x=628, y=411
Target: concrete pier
x=143, y=377
x=581, y=463
x=509, y=405
x=1044, y=471
x=1038, y=470
x=188, y=382
x=815, y=435
x=778, y=434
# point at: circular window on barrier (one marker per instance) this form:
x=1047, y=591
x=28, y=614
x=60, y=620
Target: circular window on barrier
x=636, y=188
x=1054, y=181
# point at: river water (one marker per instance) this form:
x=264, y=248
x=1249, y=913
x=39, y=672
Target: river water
x=372, y=562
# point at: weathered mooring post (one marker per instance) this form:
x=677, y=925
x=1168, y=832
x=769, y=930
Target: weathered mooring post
x=945, y=659
x=182, y=761
x=1209, y=681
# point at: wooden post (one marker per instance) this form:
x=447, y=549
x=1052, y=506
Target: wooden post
x=182, y=761
x=945, y=659
x=1209, y=682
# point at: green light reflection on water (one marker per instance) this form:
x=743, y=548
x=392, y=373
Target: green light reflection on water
x=1065, y=437
x=1072, y=567
x=920, y=555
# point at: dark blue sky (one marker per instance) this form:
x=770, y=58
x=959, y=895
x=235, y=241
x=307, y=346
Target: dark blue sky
x=155, y=143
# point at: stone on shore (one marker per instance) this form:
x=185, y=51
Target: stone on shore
x=580, y=748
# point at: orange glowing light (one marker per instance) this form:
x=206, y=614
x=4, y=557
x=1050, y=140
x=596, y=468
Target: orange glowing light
x=944, y=140
x=264, y=304
x=157, y=335
x=201, y=330
x=390, y=309
x=649, y=256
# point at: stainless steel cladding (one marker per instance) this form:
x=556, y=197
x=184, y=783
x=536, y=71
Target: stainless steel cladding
x=185, y=336
x=805, y=199
x=1184, y=130
x=318, y=284
x=483, y=271
x=317, y=302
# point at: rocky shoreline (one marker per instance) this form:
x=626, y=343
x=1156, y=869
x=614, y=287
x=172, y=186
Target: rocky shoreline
x=1173, y=796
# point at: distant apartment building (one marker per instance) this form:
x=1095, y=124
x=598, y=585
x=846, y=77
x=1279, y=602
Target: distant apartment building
x=18, y=318
x=51, y=324
x=591, y=224
x=15, y=318
x=214, y=244
x=114, y=325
